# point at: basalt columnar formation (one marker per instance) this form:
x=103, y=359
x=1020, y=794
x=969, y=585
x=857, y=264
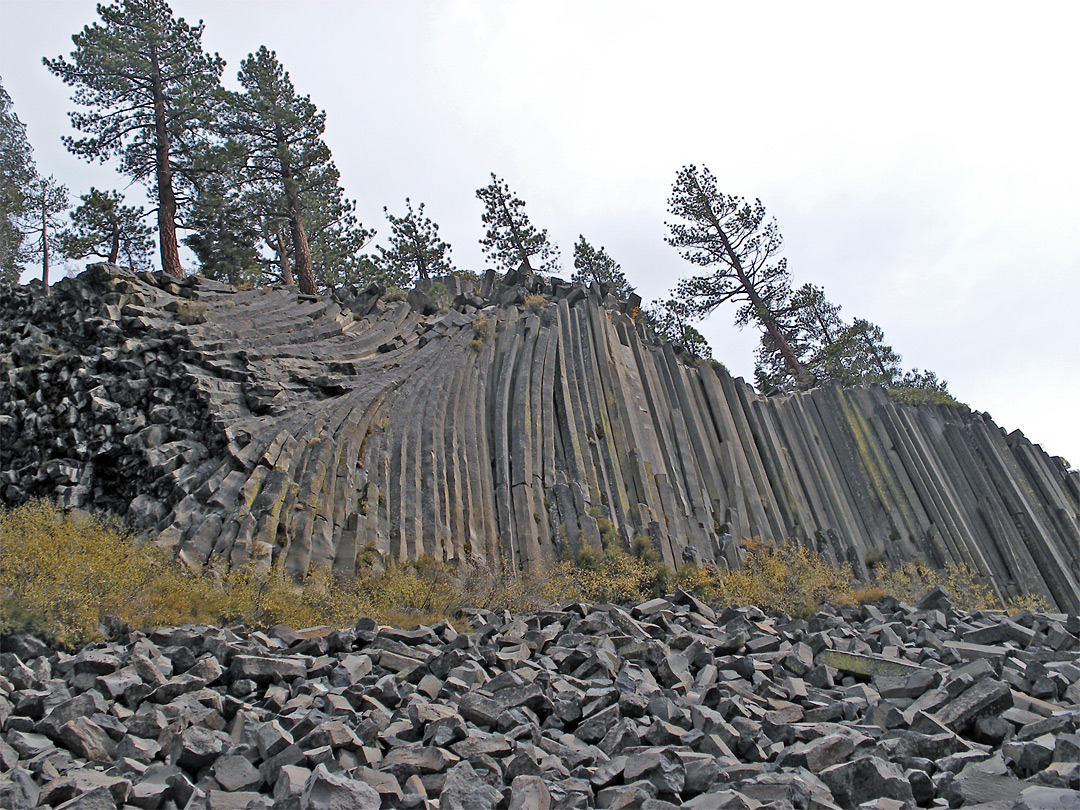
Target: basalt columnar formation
x=515, y=419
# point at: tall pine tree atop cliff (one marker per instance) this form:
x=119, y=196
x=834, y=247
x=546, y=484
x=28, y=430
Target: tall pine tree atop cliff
x=594, y=264
x=736, y=247
x=512, y=240
x=834, y=350
x=42, y=219
x=415, y=251
x=287, y=159
x=102, y=226
x=148, y=89
x=17, y=174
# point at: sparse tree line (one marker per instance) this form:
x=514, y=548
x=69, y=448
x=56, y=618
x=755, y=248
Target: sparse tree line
x=251, y=180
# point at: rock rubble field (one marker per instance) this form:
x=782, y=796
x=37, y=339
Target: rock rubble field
x=665, y=704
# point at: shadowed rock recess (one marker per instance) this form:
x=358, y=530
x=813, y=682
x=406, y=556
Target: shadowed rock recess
x=502, y=419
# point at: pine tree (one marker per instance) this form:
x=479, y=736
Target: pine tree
x=338, y=239
x=289, y=164
x=104, y=227
x=812, y=325
x=416, y=251
x=731, y=238
x=225, y=234
x=48, y=201
x=511, y=239
x=865, y=357
x=670, y=321
x=224, y=217
x=149, y=88
x=17, y=175
x=595, y=265
x=833, y=350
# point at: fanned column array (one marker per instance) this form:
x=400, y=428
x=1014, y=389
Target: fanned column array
x=515, y=420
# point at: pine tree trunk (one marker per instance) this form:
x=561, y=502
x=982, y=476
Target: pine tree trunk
x=170, y=251
x=304, y=273
x=766, y=319
x=301, y=250
x=45, y=240
x=114, y=248
x=283, y=259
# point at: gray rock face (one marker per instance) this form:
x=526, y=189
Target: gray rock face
x=331, y=791
x=707, y=714
x=270, y=426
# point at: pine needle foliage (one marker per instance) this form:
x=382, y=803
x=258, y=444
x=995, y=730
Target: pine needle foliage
x=415, y=251
x=103, y=227
x=512, y=241
x=148, y=93
x=595, y=265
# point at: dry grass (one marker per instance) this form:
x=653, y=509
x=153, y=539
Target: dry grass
x=191, y=313
x=64, y=575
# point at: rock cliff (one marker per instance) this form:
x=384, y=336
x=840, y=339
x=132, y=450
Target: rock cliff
x=514, y=419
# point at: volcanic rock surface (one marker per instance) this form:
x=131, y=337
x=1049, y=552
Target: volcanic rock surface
x=509, y=420
x=666, y=704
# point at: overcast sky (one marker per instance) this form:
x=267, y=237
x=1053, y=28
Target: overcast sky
x=921, y=158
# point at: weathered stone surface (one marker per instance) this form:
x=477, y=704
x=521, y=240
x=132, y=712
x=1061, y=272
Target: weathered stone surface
x=465, y=790
x=986, y=698
x=87, y=739
x=866, y=778
x=264, y=670
x=235, y=772
x=600, y=713
x=196, y=746
x=529, y=793
x=329, y=791
x=212, y=413
x=18, y=790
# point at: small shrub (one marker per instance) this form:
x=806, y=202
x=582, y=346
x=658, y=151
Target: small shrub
x=63, y=575
x=608, y=576
x=439, y=296
x=1029, y=601
x=644, y=550
x=908, y=582
x=190, y=313
x=535, y=301
x=788, y=578
x=481, y=332
x=923, y=396
x=609, y=535
x=394, y=295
